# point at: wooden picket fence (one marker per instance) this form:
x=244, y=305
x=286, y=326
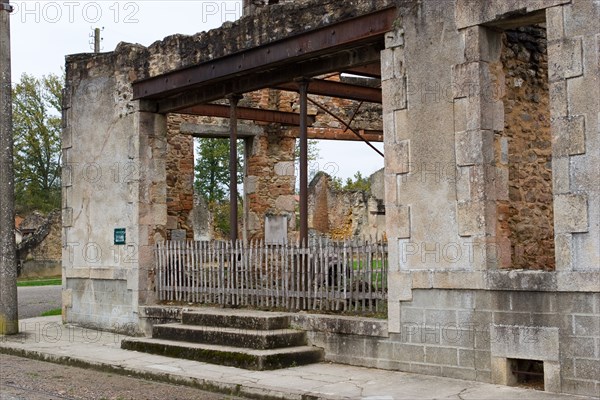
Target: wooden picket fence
x=349, y=276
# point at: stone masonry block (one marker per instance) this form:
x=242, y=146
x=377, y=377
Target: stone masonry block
x=393, y=316
x=552, y=377
x=525, y=342
x=471, y=13
x=286, y=203
x=398, y=157
x=422, y=279
x=400, y=286
x=463, y=183
x=387, y=64
x=67, y=175
x=482, y=44
x=473, y=147
x=570, y=213
x=558, y=99
x=466, y=79
x=501, y=372
x=555, y=29
x=394, y=38
x=471, y=218
x=394, y=93
x=501, y=183
x=67, y=138
x=399, y=218
x=389, y=126
x=441, y=355
x=568, y=136
x=391, y=188
x=401, y=125
x=250, y=184
x=67, y=217
x=565, y=59
x=132, y=147
x=484, y=110
x=285, y=168
x=460, y=114
x=561, y=175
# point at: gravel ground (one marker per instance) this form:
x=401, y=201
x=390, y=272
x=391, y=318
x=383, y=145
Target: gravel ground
x=22, y=378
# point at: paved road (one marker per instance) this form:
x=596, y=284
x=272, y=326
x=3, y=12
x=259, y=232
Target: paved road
x=25, y=379
x=34, y=300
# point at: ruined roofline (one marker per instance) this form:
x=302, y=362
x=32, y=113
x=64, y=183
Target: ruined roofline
x=270, y=24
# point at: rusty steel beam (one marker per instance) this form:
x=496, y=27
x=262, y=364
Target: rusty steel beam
x=247, y=83
x=337, y=89
x=303, y=86
x=233, y=157
x=347, y=125
x=339, y=134
x=370, y=70
x=254, y=114
x=286, y=52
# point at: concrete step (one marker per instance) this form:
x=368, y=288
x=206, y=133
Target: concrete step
x=227, y=355
x=248, y=338
x=232, y=318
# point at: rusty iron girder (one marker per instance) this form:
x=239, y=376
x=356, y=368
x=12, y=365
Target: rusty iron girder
x=337, y=89
x=247, y=113
x=285, y=53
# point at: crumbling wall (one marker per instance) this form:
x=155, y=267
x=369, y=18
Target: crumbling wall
x=40, y=252
x=344, y=214
x=180, y=175
x=269, y=189
x=525, y=149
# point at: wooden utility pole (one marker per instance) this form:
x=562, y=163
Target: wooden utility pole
x=8, y=261
x=97, y=40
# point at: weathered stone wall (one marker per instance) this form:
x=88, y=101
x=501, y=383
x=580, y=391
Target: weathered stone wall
x=449, y=211
x=180, y=175
x=524, y=147
x=113, y=177
x=464, y=334
x=344, y=214
x=269, y=187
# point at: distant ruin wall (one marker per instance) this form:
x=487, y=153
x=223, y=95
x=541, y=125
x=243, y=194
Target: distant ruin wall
x=345, y=214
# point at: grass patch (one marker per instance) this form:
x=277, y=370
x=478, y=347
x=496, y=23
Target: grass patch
x=40, y=282
x=54, y=311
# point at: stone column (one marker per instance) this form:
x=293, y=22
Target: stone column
x=269, y=184
x=574, y=97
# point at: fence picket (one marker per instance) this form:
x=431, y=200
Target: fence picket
x=347, y=276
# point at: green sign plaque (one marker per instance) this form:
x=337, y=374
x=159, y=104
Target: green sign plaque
x=119, y=235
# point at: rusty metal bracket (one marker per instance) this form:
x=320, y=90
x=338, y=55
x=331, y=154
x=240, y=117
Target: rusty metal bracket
x=322, y=107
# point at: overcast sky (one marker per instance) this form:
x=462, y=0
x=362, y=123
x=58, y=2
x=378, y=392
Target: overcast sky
x=43, y=32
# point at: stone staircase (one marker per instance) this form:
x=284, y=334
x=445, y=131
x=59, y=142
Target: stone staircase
x=238, y=338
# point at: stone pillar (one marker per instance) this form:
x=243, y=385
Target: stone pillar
x=574, y=97
x=180, y=178
x=478, y=113
x=114, y=180
x=269, y=184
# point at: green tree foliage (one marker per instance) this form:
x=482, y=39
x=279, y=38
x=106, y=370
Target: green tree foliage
x=212, y=178
x=357, y=183
x=37, y=149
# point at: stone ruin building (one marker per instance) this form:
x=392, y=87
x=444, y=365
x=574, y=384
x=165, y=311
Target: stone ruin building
x=490, y=118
